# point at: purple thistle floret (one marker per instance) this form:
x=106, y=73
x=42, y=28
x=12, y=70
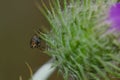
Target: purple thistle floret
x=114, y=16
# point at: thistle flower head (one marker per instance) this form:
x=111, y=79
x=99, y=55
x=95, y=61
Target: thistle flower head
x=75, y=39
x=114, y=16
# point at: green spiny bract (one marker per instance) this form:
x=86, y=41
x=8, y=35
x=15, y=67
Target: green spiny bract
x=80, y=41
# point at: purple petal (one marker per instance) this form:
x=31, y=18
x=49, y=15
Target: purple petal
x=114, y=16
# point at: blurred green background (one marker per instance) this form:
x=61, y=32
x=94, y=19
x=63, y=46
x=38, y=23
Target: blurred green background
x=18, y=20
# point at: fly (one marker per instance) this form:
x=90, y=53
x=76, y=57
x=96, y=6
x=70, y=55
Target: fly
x=35, y=41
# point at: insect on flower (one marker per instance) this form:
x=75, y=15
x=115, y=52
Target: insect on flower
x=35, y=41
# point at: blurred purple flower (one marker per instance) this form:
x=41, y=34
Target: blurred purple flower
x=114, y=16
